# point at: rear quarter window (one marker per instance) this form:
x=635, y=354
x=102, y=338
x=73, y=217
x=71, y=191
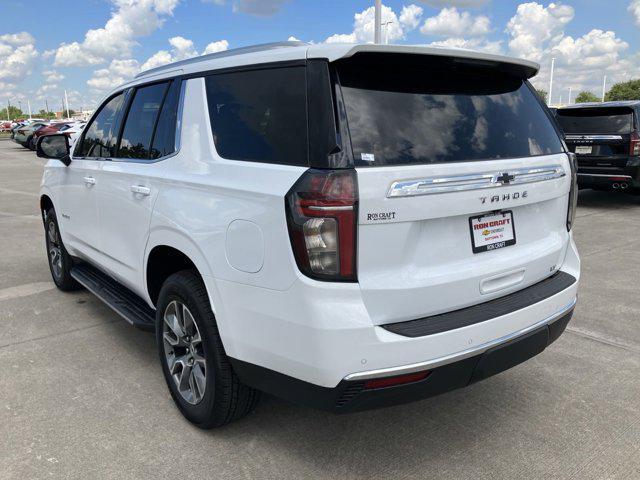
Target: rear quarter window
x=260, y=115
x=410, y=115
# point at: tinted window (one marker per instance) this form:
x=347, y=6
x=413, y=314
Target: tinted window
x=101, y=135
x=596, y=121
x=418, y=115
x=164, y=140
x=260, y=115
x=141, y=121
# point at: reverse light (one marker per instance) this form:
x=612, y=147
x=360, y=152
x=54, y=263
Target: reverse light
x=635, y=145
x=573, y=191
x=322, y=213
x=395, y=381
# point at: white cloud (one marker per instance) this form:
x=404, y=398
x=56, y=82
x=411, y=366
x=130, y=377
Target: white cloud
x=410, y=16
x=293, y=39
x=52, y=76
x=130, y=20
x=478, y=44
x=18, y=57
x=451, y=22
x=118, y=72
x=363, y=25
x=17, y=39
x=534, y=27
x=634, y=8
x=182, y=48
x=455, y=3
x=214, y=47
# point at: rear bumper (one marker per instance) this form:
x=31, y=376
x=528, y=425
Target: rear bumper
x=627, y=172
x=322, y=334
x=353, y=394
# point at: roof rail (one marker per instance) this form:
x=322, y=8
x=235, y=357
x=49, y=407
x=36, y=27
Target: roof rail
x=227, y=53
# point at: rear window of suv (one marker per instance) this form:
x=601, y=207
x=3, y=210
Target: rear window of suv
x=602, y=121
x=420, y=115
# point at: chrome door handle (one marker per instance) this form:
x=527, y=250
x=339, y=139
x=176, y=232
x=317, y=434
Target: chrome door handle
x=89, y=181
x=140, y=190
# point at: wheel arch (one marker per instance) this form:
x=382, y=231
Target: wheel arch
x=168, y=253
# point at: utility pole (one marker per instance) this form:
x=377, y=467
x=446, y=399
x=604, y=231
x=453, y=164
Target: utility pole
x=378, y=23
x=604, y=86
x=553, y=64
x=66, y=100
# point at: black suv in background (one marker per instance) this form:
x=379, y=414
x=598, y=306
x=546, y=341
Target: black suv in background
x=606, y=138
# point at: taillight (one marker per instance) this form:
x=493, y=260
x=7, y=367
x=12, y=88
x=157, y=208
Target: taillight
x=322, y=214
x=635, y=144
x=573, y=191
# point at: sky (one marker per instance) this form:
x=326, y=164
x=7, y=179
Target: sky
x=88, y=47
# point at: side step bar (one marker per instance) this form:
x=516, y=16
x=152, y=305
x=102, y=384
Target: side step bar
x=122, y=300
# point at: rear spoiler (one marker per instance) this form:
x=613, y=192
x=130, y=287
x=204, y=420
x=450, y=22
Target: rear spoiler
x=514, y=66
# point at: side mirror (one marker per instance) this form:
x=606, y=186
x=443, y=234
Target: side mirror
x=54, y=146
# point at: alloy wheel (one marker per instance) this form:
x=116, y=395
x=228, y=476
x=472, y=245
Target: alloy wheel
x=55, y=250
x=184, y=352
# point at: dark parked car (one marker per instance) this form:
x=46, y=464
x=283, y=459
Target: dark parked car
x=606, y=138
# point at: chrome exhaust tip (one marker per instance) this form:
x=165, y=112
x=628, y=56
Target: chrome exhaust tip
x=624, y=186
x=616, y=186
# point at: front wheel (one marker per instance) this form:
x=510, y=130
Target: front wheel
x=60, y=262
x=196, y=368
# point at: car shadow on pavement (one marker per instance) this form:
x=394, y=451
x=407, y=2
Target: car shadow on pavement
x=608, y=200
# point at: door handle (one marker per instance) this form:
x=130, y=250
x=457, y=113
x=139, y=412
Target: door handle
x=89, y=181
x=140, y=190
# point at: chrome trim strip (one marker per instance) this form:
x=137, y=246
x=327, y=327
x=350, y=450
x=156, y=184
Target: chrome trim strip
x=607, y=175
x=322, y=209
x=454, y=357
x=593, y=137
x=432, y=185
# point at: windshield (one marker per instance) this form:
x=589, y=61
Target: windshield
x=420, y=115
x=597, y=121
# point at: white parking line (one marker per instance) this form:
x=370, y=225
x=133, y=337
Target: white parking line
x=25, y=290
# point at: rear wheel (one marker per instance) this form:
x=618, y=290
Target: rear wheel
x=60, y=262
x=197, y=370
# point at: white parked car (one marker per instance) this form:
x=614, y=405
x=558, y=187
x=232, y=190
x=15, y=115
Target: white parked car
x=343, y=226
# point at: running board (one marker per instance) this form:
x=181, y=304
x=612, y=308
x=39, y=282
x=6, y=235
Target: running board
x=122, y=300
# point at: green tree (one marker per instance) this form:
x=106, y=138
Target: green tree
x=542, y=94
x=14, y=112
x=586, y=97
x=624, y=91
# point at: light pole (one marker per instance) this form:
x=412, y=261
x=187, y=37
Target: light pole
x=377, y=31
x=386, y=31
x=553, y=64
x=604, y=86
x=570, y=89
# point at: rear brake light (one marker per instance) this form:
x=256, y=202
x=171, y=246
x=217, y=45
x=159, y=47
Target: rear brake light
x=397, y=380
x=635, y=145
x=322, y=213
x=573, y=191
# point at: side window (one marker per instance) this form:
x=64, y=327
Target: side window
x=260, y=115
x=102, y=133
x=141, y=121
x=164, y=140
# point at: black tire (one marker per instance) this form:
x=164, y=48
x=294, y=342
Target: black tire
x=60, y=262
x=31, y=144
x=225, y=398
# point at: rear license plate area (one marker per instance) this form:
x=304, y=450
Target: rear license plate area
x=584, y=150
x=492, y=231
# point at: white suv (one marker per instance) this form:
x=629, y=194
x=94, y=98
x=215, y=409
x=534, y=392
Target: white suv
x=342, y=226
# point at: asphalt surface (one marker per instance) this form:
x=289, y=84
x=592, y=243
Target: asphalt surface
x=82, y=394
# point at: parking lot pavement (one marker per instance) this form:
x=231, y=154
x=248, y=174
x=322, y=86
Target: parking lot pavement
x=82, y=393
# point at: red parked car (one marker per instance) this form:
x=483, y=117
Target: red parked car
x=47, y=130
